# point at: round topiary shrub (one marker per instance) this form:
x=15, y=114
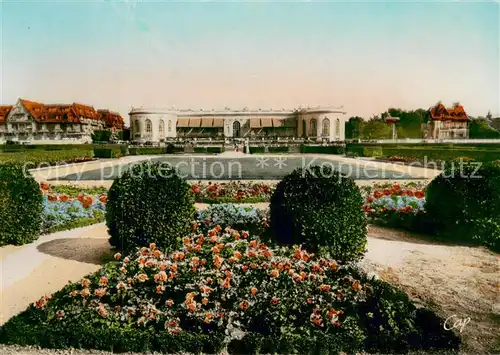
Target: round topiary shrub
x=319, y=209
x=149, y=203
x=464, y=203
x=21, y=206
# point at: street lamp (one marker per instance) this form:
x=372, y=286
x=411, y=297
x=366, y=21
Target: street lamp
x=392, y=122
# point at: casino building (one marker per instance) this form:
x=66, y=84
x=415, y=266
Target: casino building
x=157, y=125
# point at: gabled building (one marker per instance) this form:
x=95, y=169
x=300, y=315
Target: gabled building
x=35, y=122
x=447, y=123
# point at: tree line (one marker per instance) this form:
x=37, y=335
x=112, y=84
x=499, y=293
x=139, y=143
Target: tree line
x=410, y=125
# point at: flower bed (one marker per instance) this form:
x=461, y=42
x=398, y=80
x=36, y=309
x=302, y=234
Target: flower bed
x=227, y=289
x=248, y=218
x=395, y=205
x=236, y=191
x=62, y=211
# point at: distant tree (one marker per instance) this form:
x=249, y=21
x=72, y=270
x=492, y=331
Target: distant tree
x=376, y=128
x=101, y=136
x=354, y=128
x=489, y=116
x=480, y=129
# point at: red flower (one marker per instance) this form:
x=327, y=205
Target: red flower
x=387, y=192
x=419, y=194
x=195, y=189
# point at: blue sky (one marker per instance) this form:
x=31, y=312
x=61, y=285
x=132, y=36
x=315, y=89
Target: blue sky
x=366, y=56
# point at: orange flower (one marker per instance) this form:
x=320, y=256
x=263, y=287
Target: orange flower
x=152, y=246
x=419, y=194
x=85, y=292
x=103, y=199
x=117, y=256
x=170, y=303
x=378, y=194
x=74, y=293
x=100, y=292
x=192, y=306
x=253, y=243
x=187, y=241
x=64, y=198
x=253, y=290
x=226, y=283
x=161, y=276
x=142, y=277
x=237, y=255
x=274, y=273
x=44, y=186
x=274, y=300
x=160, y=289
x=52, y=198
x=85, y=283
x=410, y=193
x=356, y=286
x=204, y=301
x=244, y=305
x=324, y=287
x=103, y=281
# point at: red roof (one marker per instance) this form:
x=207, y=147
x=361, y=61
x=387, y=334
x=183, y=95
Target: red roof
x=4, y=112
x=441, y=113
x=65, y=113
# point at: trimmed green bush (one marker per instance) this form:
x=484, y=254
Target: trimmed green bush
x=215, y=150
x=200, y=149
x=149, y=203
x=372, y=152
x=20, y=206
x=107, y=153
x=280, y=149
x=320, y=209
x=256, y=150
x=464, y=203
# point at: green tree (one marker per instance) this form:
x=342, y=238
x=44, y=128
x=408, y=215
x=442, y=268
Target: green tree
x=354, y=128
x=376, y=128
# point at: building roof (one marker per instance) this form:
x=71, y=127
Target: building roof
x=65, y=113
x=4, y=112
x=440, y=113
x=112, y=119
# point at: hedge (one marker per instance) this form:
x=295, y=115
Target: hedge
x=108, y=153
x=256, y=150
x=155, y=150
x=38, y=158
x=21, y=206
x=431, y=151
x=215, y=150
x=279, y=149
x=319, y=149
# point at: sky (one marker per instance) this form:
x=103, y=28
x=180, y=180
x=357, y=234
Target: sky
x=366, y=56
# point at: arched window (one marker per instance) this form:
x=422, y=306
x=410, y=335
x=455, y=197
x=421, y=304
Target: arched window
x=313, y=131
x=161, y=129
x=137, y=129
x=149, y=127
x=236, y=129
x=326, y=128
x=304, y=129
x=169, y=126
x=337, y=128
